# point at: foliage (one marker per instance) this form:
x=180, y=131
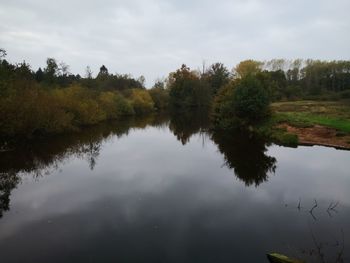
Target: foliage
x=141, y=101
x=81, y=103
x=250, y=100
x=32, y=111
x=223, y=114
x=115, y=105
x=247, y=67
x=187, y=89
x=36, y=110
x=242, y=103
x=160, y=97
x=51, y=99
x=217, y=76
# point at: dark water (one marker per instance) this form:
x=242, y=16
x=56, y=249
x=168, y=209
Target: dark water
x=165, y=189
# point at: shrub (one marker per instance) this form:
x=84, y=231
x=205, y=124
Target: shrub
x=250, y=101
x=141, y=101
x=114, y=105
x=33, y=111
x=81, y=103
x=160, y=97
x=241, y=103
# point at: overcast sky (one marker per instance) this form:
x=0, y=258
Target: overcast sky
x=154, y=37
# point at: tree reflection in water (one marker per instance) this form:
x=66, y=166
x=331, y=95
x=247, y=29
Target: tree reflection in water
x=42, y=156
x=8, y=181
x=246, y=155
x=243, y=152
x=184, y=124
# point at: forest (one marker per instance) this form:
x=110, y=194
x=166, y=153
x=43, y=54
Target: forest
x=52, y=100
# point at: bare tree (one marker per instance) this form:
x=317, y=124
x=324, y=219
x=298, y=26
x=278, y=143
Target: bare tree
x=88, y=72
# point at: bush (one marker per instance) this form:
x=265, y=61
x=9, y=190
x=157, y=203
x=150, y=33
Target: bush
x=81, y=103
x=160, y=97
x=32, y=111
x=141, y=101
x=250, y=101
x=114, y=105
x=242, y=103
x=186, y=89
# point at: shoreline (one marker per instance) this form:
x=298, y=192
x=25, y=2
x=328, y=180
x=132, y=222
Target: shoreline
x=318, y=135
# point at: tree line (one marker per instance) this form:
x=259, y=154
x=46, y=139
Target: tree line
x=283, y=80
x=53, y=100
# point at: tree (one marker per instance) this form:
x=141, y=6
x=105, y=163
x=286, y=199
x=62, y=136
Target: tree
x=247, y=67
x=51, y=67
x=141, y=101
x=63, y=69
x=88, y=72
x=142, y=80
x=51, y=70
x=39, y=75
x=159, y=84
x=218, y=76
x=160, y=95
x=240, y=104
x=250, y=100
x=187, y=89
x=103, y=74
x=2, y=53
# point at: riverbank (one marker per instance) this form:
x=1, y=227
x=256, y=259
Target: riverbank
x=312, y=123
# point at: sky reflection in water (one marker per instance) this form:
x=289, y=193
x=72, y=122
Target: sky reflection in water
x=162, y=189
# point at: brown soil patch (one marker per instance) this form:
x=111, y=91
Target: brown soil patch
x=319, y=135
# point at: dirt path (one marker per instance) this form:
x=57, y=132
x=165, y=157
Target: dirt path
x=319, y=135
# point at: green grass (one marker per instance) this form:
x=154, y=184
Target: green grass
x=308, y=113
x=308, y=120
x=303, y=114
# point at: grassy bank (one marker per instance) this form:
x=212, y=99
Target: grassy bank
x=303, y=116
x=307, y=113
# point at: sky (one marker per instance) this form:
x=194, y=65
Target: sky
x=154, y=37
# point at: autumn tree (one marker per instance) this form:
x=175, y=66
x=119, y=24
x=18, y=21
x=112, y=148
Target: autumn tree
x=187, y=89
x=247, y=67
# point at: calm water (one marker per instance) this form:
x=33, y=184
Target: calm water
x=164, y=189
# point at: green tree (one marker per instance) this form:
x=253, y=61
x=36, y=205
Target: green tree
x=51, y=70
x=2, y=53
x=160, y=95
x=39, y=75
x=103, y=74
x=218, y=76
x=187, y=89
x=243, y=103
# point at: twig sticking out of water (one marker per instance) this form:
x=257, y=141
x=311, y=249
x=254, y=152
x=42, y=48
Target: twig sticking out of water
x=332, y=207
x=299, y=205
x=312, y=209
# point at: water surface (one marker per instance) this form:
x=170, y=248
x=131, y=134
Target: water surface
x=166, y=189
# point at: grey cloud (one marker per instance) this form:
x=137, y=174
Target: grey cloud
x=155, y=37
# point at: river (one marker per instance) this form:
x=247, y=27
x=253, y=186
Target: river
x=166, y=189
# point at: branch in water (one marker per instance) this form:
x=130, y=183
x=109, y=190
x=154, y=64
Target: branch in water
x=312, y=209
